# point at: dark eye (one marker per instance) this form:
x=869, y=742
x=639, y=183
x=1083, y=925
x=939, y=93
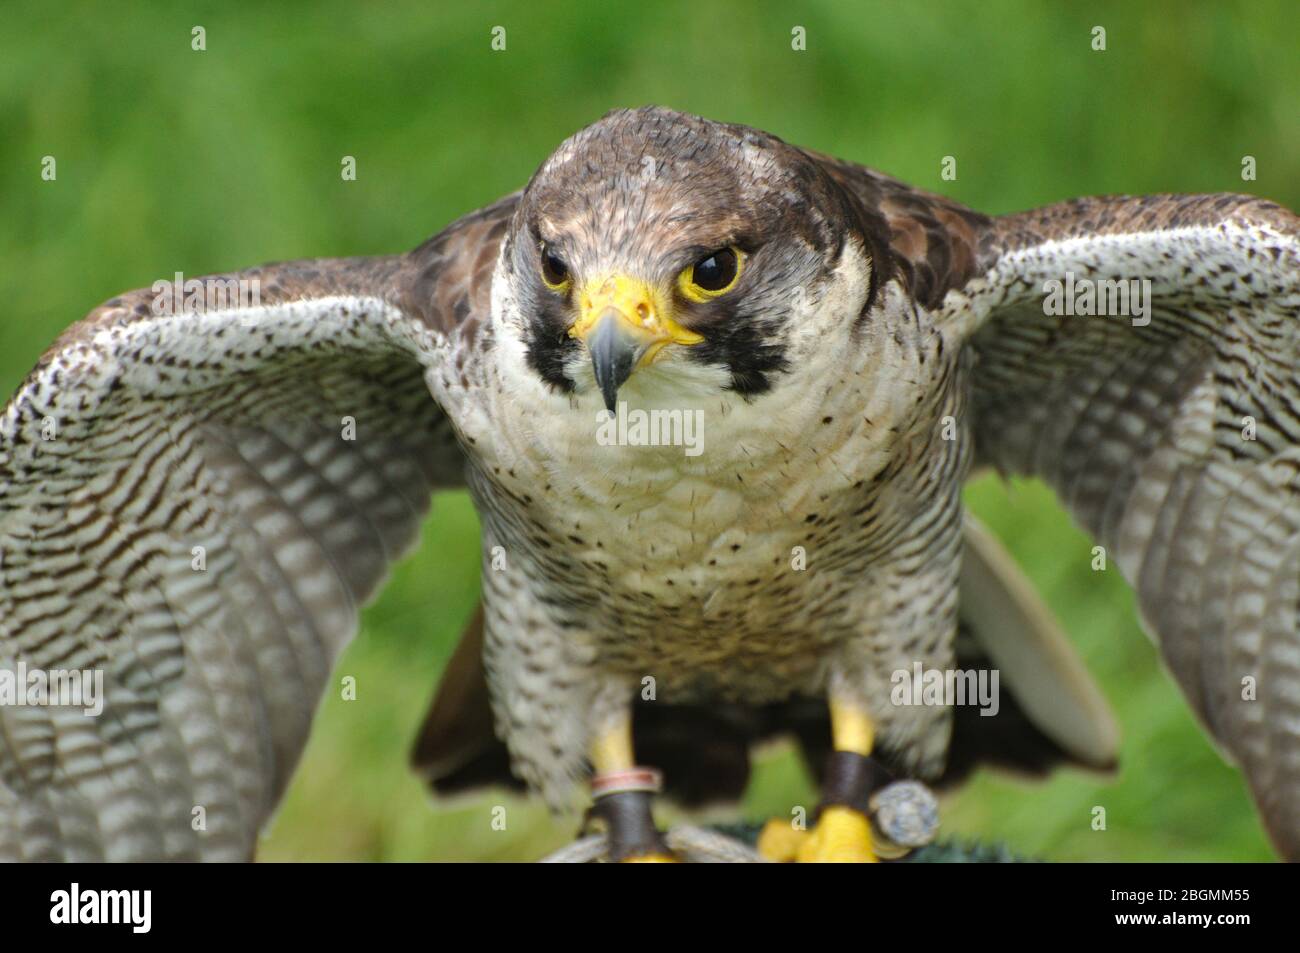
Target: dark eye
x=554, y=271
x=713, y=274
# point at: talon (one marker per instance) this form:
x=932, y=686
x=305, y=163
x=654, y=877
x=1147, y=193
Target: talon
x=841, y=836
x=650, y=859
x=842, y=833
x=779, y=841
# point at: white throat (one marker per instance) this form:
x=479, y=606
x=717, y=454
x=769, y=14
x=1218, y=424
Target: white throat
x=827, y=414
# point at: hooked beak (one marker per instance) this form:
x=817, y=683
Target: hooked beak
x=624, y=328
x=615, y=352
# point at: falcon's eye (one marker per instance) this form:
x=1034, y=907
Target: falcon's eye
x=554, y=272
x=714, y=274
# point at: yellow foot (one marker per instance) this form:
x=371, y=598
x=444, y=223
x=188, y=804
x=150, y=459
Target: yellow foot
x=779, y=841
x=650, y=859
x=842, y=835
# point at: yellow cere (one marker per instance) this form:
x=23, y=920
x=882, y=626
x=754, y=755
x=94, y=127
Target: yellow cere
x=644, y=311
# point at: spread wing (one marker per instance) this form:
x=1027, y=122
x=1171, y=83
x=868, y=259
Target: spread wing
x=1172, y=436
x=192, y=507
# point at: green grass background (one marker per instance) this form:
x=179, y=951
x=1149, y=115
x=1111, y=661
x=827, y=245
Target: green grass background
x=170, y=159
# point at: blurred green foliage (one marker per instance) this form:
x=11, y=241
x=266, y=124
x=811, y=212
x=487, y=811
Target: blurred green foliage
x=170, y=159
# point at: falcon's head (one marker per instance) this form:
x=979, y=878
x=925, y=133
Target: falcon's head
x=686, y=252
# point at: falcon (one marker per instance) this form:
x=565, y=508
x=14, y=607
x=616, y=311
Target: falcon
x=197, y=492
